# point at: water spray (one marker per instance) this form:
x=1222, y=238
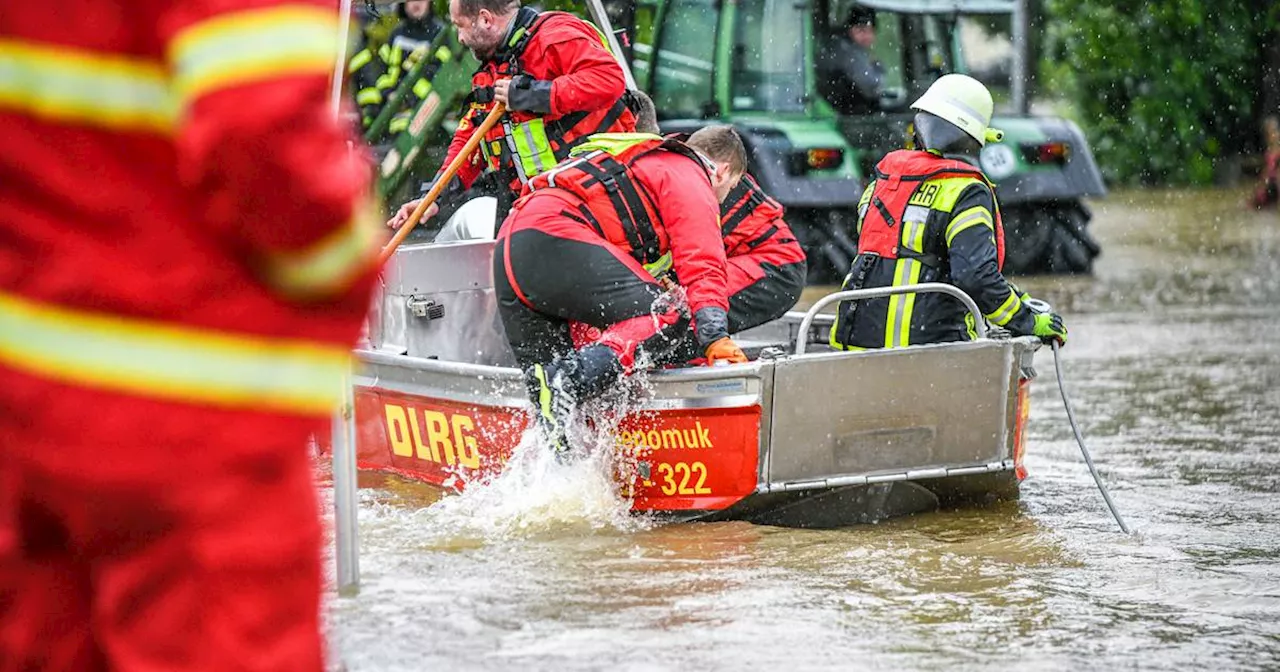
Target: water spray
x=1039, y=306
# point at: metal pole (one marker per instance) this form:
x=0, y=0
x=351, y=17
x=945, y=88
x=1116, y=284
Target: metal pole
x=340, y=68
x=596, y=9
x=802, y=338
x=346, y=524
x=1018, y=74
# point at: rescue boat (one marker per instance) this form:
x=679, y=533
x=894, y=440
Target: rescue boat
x=802, y=435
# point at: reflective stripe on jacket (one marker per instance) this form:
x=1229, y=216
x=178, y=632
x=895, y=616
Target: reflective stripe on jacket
x=926, y=219
x=191, y=252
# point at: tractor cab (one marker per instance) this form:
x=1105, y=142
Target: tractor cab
x=759, y=64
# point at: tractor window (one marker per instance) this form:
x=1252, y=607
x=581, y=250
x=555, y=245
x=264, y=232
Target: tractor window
x=682, y=78
x=888, y=50
x=769, y=56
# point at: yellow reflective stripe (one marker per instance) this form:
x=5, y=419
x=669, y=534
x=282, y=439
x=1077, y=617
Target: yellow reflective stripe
x=897, y=331
x=969, y=218
x=362, y=58
x=831, y=339
x=167, y=361
x=895, y=306
x=913, y=236
x=421, y=88
x=70, y=85
x=949, y=191
x=1001, y=316
x=534, y=149
x=659, y=268
x=329, y=265
x=252, y=46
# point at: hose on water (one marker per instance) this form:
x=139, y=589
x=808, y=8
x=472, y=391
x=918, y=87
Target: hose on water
x=1071, y=417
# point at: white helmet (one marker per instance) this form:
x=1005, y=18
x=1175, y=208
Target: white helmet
x=963, y=101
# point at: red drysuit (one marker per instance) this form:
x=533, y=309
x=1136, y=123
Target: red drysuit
x=184, y=265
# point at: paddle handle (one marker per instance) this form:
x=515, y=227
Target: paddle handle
x=452, y=169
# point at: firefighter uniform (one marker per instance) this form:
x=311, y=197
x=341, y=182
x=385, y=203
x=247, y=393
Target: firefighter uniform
x=575, y=246
x=180, y=285
x=377, y=74
x=927, y=219
x=565, y=86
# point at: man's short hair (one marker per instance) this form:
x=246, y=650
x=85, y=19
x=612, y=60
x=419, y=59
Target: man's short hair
x=473, y=7
x=641, y=105
x=721, y=144
x=860, y=16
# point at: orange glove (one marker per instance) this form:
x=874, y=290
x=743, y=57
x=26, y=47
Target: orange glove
x=725, y=350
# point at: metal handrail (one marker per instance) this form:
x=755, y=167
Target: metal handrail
x=979, y=324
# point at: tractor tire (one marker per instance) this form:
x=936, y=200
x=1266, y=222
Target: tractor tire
x=1048, y=237
x=828, y=239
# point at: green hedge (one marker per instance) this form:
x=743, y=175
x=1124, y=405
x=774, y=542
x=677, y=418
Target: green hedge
x=1164, y=89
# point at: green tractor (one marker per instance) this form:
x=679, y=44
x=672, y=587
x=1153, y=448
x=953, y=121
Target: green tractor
x=752, y=63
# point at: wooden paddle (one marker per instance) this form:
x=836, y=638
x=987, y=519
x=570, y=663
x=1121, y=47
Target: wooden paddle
x=476, y=138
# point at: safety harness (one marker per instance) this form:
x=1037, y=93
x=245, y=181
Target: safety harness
x=745, y=200
x=614, y=204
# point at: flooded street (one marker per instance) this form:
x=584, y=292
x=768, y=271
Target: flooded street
x=1174, y=368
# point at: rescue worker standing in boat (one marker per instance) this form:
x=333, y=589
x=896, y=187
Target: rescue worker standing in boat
x=575, y=247
x=180, y=288
x=559, y=82
x=926, y=218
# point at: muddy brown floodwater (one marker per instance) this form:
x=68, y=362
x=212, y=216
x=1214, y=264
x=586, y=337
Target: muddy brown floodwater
x=1174, y=368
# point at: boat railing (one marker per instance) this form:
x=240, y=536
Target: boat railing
x=802, y=337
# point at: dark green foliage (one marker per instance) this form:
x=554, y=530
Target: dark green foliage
x=1164, y=89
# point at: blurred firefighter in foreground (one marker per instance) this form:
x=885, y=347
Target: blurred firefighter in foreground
x=376, y=74
x=926, y=218
x=574, y=250
x=559, y=82
x=180, y=287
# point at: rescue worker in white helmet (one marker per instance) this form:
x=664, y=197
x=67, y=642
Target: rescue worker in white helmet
x=929, y=218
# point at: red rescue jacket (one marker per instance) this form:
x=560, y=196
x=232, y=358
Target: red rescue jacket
x=899, y=175
x=651, y=198
x=752, y=225
x=586, y=96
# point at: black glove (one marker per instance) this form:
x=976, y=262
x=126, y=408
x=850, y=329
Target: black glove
x=529, y=95
x=711, y=324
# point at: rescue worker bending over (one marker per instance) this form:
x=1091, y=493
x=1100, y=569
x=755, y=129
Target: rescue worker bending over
x=376, y=76
x=765, y=264
x=559, y=82
x=926, y=218
x=574, y=250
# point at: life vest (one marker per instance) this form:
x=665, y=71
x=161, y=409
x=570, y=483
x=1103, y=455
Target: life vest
x=535, y=143
x=615, y=204
x=906, y=183
x=745, y=202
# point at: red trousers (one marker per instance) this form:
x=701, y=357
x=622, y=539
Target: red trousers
x=146, y=535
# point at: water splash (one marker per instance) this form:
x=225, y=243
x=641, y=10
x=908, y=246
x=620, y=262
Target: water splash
x=537, y=495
